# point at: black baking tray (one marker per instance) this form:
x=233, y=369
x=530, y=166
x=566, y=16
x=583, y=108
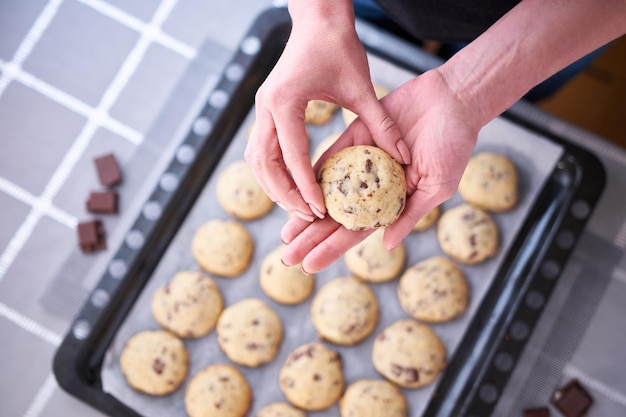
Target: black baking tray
x=486, y=356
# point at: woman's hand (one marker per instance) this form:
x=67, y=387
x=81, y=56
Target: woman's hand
x=441, y=133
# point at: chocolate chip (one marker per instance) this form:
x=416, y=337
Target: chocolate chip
x=91, y=236
x=102, y=202
x=368, y=165
x=363, y=185
x=317, y=377
x=396, y=370
x=158, y=366
x=108, y=170
x=411, y=375
x=573, y=399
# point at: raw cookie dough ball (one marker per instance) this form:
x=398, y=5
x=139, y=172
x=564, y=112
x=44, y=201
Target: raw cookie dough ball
x=428, y=220
x=239, y=193
x=373, y=398
x=280, y=410
x=188, y=305
x=348, y=116
x=489, y=182
x=154, y=362
x=219, y=390
x=363, y=187
x=223, y=247
x=433, y=290
x=344, y=311
x=468, y=234
x=319, y=112
x=284, y=284
x=409, y=354
x=372, y=262
x=249, y=332
x=312, y=377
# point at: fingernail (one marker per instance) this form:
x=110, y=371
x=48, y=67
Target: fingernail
x=404, y=151
x=317, y=211
x=304, y=216
x=304, y=271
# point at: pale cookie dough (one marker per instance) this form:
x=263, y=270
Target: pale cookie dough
x=312, y=377
x=323, y=145
x=219, y=390
x=348, y=116
x=468, y=234
x=409, y=354
x=154, y=362
x=363, y=187
x=188, y=305
x=433, y=290
x=428, y=220
x=223, y=247
x=372, y=262
x=249, y=332
x=284, y=284
x=279, y=410
x=490, y=182
x=344, y=311
x=319, y=112
x=239, y=193
x=372, y=398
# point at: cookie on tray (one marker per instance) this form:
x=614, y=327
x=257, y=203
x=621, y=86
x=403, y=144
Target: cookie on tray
x=284, y=284
x=468, y=234
x=249, y=332
x=154, y=362
x=373, y=398
x=363, y=187
x=349, y=116
x=218, y=390
x=279, y=410
x=433, y=290
x=323, y=145
x=344, y=311
x=372, y=262
x=223, y=247
x=188, y=305
x=319, y=112
x=312, y=377
x=239, y=193
x=490, y=182
x=428, y=220
x=409, y=354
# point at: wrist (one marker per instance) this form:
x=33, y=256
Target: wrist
x=335, y=14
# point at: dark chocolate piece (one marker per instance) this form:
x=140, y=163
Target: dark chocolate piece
x=537, y=412
x=572, y=400
x=102, y=202
x=91, y=236
x=108, y=170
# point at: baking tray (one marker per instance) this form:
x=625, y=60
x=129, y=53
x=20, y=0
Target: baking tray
x=499, y=329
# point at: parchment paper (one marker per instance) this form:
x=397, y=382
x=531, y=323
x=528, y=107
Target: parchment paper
x=534, y=157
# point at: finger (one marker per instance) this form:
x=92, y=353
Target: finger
x=309, y=238
x=292, y=228
x=416, y=207
x=294, y=142
x=332, y=248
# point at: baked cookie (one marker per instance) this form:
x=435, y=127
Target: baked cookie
x=284, y=284
x=154, y=362
x=239, y=193
x=219, y=390
x=279, y=410
x=433, y=290
x=372, y=398
x=363, y=187
x=348, y=116
x=188, y=305
x=489, y=182
x=223, y=247
x=468, y=234
x=344, y=311
x=312, y=377
x=428, y=220
x=249, y=332
x=372, y=262
x=319, y=112
x=409, y=354
x=323, y=145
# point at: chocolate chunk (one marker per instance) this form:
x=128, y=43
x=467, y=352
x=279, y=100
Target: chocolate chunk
x=537, y=412
x=573, y=399
x=108, y=170
x=102, y=202
x=91, y=236
x=158, y=366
